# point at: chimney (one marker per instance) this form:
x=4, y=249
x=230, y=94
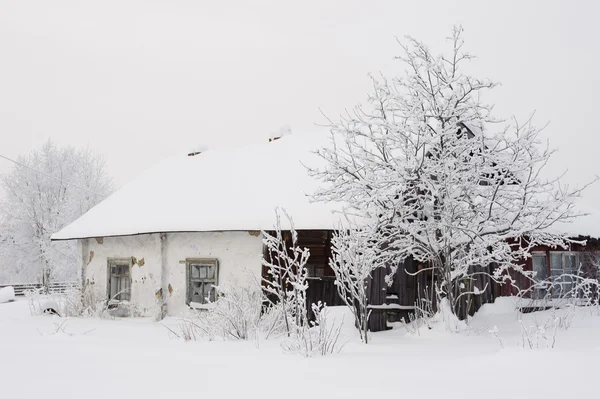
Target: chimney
x=197, y=150
x=284, y=130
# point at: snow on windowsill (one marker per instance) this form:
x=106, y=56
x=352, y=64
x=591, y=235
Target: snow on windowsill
x=118, y=302
x=201, y=306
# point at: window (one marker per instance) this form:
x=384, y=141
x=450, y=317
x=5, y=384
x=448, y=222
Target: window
x=318, y=242
x=558, y=276
x=562, y=266
x=315, y=269
x=540, y=267
x=119, y=279
x=202, y=276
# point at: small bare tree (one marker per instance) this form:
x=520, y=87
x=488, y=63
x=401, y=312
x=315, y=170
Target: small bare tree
x=286, y=272
x=353, y=260
x=287, y=282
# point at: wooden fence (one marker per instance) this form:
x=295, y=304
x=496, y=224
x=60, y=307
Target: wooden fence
x=53, y=288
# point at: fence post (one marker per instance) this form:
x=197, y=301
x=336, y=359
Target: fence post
x=46, y=281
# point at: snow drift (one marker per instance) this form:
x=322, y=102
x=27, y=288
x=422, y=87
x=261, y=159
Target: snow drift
x=7, y=294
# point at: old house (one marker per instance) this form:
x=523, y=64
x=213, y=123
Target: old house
x=195, y=220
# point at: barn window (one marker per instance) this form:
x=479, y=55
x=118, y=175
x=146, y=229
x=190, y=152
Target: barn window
x=316, y=269
x=318, y=243
x=202, y=277
x=563, y=265
x=540, y=267
x=559, y=273
x=119, y=279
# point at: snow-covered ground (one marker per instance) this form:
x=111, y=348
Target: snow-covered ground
x=7, y=294
x=95, y=358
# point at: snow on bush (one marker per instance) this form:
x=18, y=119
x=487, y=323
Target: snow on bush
x=286, y=284
x=55, y=303
x=315, y=337
x=539, y=335
x=422, y=317
x=237, y=313
x=94, y=303
x=279, y=306
x=7, y=294
x=65, y=304
x=239, y=309
x=75, y=303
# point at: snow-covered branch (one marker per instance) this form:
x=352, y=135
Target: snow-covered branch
x=286, y=272
x=353, y=260
x=35, y=206
x=438, y=178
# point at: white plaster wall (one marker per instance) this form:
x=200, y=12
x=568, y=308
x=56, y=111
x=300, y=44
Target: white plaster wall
x=145, y=275
x=236, y=251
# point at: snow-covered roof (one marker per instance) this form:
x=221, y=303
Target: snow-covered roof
x=216, y=190
x=234, y=190
x=587, y=225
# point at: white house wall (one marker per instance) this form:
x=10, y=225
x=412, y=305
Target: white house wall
x=238, y=252
x=145, y=272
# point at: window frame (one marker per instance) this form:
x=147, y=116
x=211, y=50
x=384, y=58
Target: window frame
x=312, y=269
x=553, y=279
x=111, y=262
x=541, y=293
x=189, y=262
x=560, y=279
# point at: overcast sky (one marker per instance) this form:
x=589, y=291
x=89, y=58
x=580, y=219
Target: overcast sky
x=141, y=80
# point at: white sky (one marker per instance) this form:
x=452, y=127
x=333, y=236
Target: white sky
x=141, y=80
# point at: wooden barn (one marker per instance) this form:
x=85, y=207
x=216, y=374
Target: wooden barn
x=552, y=266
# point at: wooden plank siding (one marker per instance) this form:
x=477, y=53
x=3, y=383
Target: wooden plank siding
x=591, y=249
x=404, y=286
x=321, y=288
x=413, y=282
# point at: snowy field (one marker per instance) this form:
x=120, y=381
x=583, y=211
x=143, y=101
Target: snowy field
x=96, y=358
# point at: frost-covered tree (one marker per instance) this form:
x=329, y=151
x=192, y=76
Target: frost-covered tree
x=353, y=259
x=427, y=167
x=286, y=279
x=38, y=204
x=285, y=285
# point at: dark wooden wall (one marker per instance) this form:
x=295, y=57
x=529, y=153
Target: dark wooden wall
x=322, y=288
x=404, y=286
x=479, y=280
x=411, y=283
x=588, y=255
